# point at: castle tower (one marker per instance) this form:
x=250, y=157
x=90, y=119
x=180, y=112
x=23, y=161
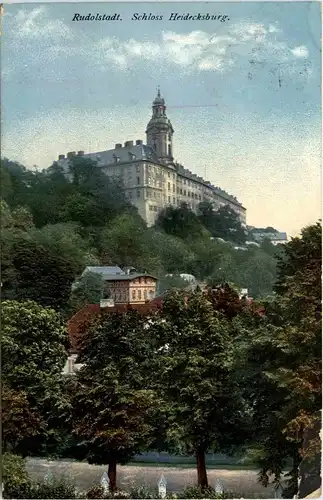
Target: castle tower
x=160, y=131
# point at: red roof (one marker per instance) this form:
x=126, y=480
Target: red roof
x=84, y=316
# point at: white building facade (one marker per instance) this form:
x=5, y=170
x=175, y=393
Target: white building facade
x=151, y=179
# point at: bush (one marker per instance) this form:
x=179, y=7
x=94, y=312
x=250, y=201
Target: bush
x=14, y=477
x=120, y=494
x=96, y=492
x=55, y=488
x=138, y=492
x=198, y=492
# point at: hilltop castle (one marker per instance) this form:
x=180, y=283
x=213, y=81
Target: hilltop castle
x=150, y=176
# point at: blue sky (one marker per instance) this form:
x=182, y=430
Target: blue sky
x=243, y=95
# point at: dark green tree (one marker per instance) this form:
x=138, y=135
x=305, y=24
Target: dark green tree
x=34, y=343
x=114, y=412
x=193, y=376
x=181, y=222
x=87, y=290
x=283, y=360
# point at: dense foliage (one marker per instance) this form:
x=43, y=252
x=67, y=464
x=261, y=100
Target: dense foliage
x=209, y=371
x=53, y=226
x=33, y=346
x=117, y=358
x=282, y=372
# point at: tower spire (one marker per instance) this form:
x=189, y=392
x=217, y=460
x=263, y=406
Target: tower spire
x=159, y=130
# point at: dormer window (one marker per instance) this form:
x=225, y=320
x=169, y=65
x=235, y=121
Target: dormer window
x=116, y=158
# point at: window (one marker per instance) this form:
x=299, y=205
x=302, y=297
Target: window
x=168, y=174
x=168, y=185
x=181, y=191
x=145, y=294
x=138, y=193
x=138, y=180
x=137, y=168
x=168, y=199
x=184, y=181
x=177, y=190
x=173, y=176
x=184, y=192
x=139, y=294
x=133, y=294
x=173, y=188
x=174, y=201
x=188, y=193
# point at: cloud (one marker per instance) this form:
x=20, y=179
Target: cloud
x=301, y=52
x=198, y=50
x=36, y=24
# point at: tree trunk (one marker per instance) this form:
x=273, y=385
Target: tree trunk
x=112, y=474
x=201, y=469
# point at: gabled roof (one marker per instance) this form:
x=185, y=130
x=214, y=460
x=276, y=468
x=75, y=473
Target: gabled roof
x=104, y=270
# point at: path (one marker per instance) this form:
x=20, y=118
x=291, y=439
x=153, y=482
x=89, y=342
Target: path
x=242, y=482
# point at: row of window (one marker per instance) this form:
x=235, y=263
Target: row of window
x=190, y=194
x=153, y=194
x=153, y=208
x=136, y=294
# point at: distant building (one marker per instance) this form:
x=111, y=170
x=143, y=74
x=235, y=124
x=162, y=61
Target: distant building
x=124, y=286
x=151, y=179
x=275, y=238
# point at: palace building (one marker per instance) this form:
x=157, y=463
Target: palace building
x=151, y=178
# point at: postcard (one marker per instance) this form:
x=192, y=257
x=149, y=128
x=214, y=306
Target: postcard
x=151, y=147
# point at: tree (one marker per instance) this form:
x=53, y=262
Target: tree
x=181, y=222
x=113, y=409
x=19, y=421
x=37, y=273
x=193, y=376
x=123, y=242
x=223, y=223
x=283, y=363
x=34, y=344
x=87, y=290
x=258, y=273
x=171, y=281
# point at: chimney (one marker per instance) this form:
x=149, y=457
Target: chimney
x=61, y=157
x=128, y=144
x=80, y=153
x=138, y=142
x=118, y=146
x=71, y=154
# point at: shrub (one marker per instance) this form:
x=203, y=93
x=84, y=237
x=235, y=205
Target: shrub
x=56, y=488
x=139, y=492
x=96, y=492
x=198, y=492
x=120, y=494
x=14, y=476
